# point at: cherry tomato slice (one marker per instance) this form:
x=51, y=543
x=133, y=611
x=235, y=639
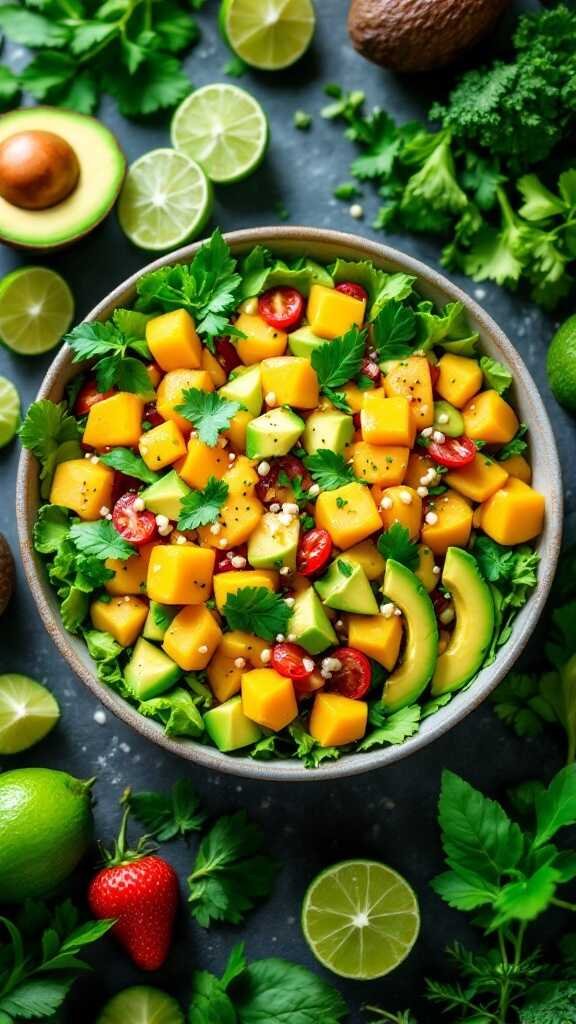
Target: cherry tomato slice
x=227, y=355
x=151, y=415
x=281, y=307
x=224, y=558
x=88, y=396
x=453, y=453
x=354, y=677
x=123, y=483
x=355, y=291
x=314, y=551
x=434, y=374
x=290, y=660
x=289, y=464
x=134, y=526
x=305, y=687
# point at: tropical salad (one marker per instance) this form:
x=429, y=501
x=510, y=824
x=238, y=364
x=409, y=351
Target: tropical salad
x=288, y=506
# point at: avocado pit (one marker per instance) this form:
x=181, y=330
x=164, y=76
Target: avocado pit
x=38, y=169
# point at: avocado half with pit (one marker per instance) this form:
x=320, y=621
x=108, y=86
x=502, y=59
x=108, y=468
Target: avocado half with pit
x=60, y=175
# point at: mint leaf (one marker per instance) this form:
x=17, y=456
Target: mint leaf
x=209, y=413
x=127, y=462
x=556, y=806
x=257, y=610
x=339, y=361
x=329, y=469
x=395, y=543
x=101, y=540
x=168, y=815
x=38, y=997
x=279, y=992
x=496, y=375
x=199, y=508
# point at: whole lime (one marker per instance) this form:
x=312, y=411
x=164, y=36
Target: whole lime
x=561, y=364
x=45, y=829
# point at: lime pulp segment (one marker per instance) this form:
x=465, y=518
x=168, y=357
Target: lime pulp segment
x=268, y=34
x=36, y=309
x=224, y=129
x=28, y=712
x=166, y=200
x=141, y=1005
x=360, y=919
x=9, y=411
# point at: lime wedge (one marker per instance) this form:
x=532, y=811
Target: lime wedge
x=268, y=34
x=9, y=411
x=36, y=309
x=141, y=1005
x=166, y=200
x=224, y=129
x=28, y=712
x=360, y=919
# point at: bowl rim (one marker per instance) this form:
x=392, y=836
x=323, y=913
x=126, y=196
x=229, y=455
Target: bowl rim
x=468, y=699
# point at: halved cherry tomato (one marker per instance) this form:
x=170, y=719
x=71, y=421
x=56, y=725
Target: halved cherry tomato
x=123, y=483
x=453, y=453
x=134, y=526
x=289, y=464
x=355, y=291
x=305, y=687
x=434, y=374
x=314, y=551
x=354, y=677
x=223, y=561
x=151, y=415
x=227, y=355
x=288, y=659
x=88, y=396
x=281, y=307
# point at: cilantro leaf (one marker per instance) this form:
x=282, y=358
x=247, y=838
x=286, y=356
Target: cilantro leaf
x=257, y=610
x=126, y=461
x=339, y=361
x=199, y=508
x=521, y=701
x=516, y=446
x=209, y=1003
x=329, y=469
x=395, y=543
x=308, y=749
x=280, y=992
x=556, y=806
x=109, y=345
x=397, y=728
x=52, y=435
x=496, y=375
x=209, y=412
x=168, y=815
x=393, y=329
x=101, y=540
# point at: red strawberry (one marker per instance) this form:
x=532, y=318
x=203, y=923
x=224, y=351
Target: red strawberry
x=141, y=891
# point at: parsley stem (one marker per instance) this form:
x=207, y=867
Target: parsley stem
x=564, y=905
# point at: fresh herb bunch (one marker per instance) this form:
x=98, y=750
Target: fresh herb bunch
x=110, y=345
x=167, y=816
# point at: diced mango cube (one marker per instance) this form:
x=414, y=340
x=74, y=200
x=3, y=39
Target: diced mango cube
x=518, y=467
x=224, y=676
x=331, y=313
x=337, y=720
x=479, y=479
x=162, y=445
x=239, y=517
x=154, y=374
x=292, y=380
x=488, y=418
x=412, y=378
x=236, y=432
x=514, y=515
x=418, y=466
x=180, y=574
x=192, y=637
x=173, y=341
x=268, y=698
x=460, y=379
x=171, y=394
x=387, y=420
x=379, y=464
x=226, y=583
x=354, y=396
x=130, y=575
x=202, y=462
x=349, y=514
x=377, y=637
x=366, y=555
x=399, y=505
x=212, y=366
x=122, y=617
x=451, y=525
x=241, y=478
x=237, y=644
x=261, y=341
x=83, y=486
x=115, y=421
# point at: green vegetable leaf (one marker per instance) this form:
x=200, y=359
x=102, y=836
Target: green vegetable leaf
x=209, y=1003
x=9, y=88
x=176, y=711
x=517, y=446
x=51, y=528
x=527, y=898
x=257, y=610
x=329, y=469
x=209, y=413
x=36, y=998
x=280, y=992
x=109, y=346
x=522, y=702
x=464, y=894
x=126, y=461
x=308, y=749
x=339, y=361
x=52, y=435
x=550, y=1002
x=199, y=508
x=101, y=540
x=168, y=815
x=395, y=543
x=159, y=83
x=393, y=329
x=31, y=29
x=496, y=375
x=556, y=806
x=101, y=646
x=397, y=728
x=381, y=286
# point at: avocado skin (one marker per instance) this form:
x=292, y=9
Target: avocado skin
x=6, y=574
x=417, y=35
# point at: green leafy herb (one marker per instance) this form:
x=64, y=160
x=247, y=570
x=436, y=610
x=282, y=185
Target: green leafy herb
x=52, y=435
x=395, y=543
x=167, y=816
x=177, y=711
x=257, y=610
x=110, y=347
x=199, y=508
x=329, y=469
x=236, y=67
x=51, y=528
x=209, y=413
x=496, y=375
x=344, y=567
x=302, y=120
x=347, y=191
x=394, y=729
x=516, y=446
x=393, y=328
x=100, y=540
x=337, y=362
x=308, y=750
x=125, y=461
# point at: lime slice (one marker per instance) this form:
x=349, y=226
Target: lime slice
x=268, y=34
x=224, y=128
x=360, y=919
x=36, y=309
x=9, y=411
x=561, y=364
x=141, y=1005
x=166, y=200
x=28, y=712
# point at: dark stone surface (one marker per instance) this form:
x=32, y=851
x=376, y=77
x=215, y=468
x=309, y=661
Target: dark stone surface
x=388, y=815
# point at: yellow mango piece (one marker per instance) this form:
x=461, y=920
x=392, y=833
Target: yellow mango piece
x=479, y=479
x=460, y=379
x=192, y=637
x=224, y=676
x=488, y=418
x=236, y=432
x=331, y=313
x=292, y=380
x=122, y=617
x=162, y=445
x=237, y=644
x=418, y=466
x=115, y=421
x=349, y=514
x=425, y=570
x=170, y=394
x=202, y=462
x=180, y=574
x=387, y=420
x=268, y=698
x=131, y=574
x=453, y=523
x=212, y=366
x=337, y=720
x=241, y=478
x=366, y=555
x=226, y=583
x=239, y=517
x=173, y=341
x=83, y=486
x=411, y=378
x=379, y=464
x=154, y=374
x=518, y=467
x=399, y=505
x=354, y=396
x=377, y=637
x=514, y=515
x=261, y=341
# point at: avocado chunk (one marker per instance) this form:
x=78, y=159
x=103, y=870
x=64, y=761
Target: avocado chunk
x=332, y=430
x=245, y=386
x=228, y=727
x=454, y=425
x=164, y=498
x=346, y=587
x=272, y=545
x=150, y=672
x=273, y=433
x=310, y=624
x=411, y=678
x=158, y=619
x=472, y=635
x=303, y=342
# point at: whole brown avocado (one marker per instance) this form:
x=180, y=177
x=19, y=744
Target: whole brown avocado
x=417, y=35
x=6, y=573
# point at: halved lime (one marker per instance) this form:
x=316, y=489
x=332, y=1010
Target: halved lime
x=36, y=309
x=360, y=919
x=9, y=411
x=165, y=201
x=28, y=712
x=141, y=1005
x=268, y=34
x=224, y=129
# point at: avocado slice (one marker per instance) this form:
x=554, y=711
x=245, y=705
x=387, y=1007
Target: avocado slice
x=411, y=678
x=303, y=342
x=150, y=672
x=158, y=619
x=346, y=587
x=245, y=386
x=472, y=635
x=332, y=430
x=228, y=727
x=310, y=624
x=164, y=498
x=102, y=168
x=271, y=545
x=273, y=433
x=454, y=425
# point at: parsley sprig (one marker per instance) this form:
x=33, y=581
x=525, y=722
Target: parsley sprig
x=167, y=816
x=337, y=362
x=110, y=346
x=393, y=329
x=52, y=434
x=127, y=462
x=209, y=412
x=100, y=540
x=200, y=508
x=257, y=610
x=395, y=543
x=329, y=469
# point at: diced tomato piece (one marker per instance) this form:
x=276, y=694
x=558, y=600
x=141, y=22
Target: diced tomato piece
x=282, y=307
x=453, y=453
x=314, y=551
x=371, y=370
x=224, y=558
x=151, y=415
x=227, y=355
x=354, y=677
x=134, y=525
x=305, y=687
x=355, y=291
x=292, y=661
x=88, y=396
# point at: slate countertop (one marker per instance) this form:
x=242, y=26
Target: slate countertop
x=387, y=815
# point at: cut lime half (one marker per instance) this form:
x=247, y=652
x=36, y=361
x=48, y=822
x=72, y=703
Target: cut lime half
x=268, y=34
x=36, y=309
x=141, y=1005
x=360, y=919
x=165, y=201
x=9, y=411
x=28, y=712
x=224, y=129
